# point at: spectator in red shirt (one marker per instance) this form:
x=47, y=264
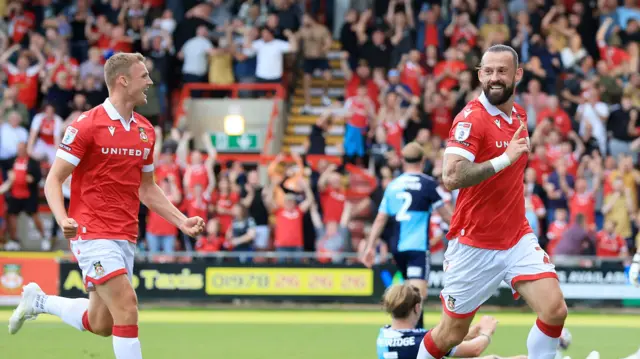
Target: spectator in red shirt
x=213, y=241
x=582, y=201
x=360, y=109
x=540, y=163
x=556, y=229
x=609, y=244
x=411, y=72
x=160, y=232
x=23, y=75
x=22, y=185
x=289, y=234
x=446, y=72
x=461, y=27
x=224, y=200
x=361, y=77
x=332, y=194
x=439, y=106
x=557, y=115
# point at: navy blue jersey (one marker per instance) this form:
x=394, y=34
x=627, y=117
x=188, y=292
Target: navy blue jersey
x=408, y=201
x=400, y=343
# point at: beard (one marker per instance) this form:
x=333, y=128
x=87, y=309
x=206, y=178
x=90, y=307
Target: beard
x=499, y=97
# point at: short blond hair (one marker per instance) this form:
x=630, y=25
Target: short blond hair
x=118, y=65
x=413, y=152
x=400, y=299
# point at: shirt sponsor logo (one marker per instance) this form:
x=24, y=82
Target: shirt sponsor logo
x=463, y=130
x=69, y=135
x=121, y=151
x=502, y=144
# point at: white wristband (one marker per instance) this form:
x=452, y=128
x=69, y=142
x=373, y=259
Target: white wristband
x=501, y=162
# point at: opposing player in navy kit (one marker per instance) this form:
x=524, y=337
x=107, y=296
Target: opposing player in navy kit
x=406, y=205
x=401, y=340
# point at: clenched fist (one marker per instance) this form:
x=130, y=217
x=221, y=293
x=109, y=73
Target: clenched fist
x=69, y=228
x=192, y=226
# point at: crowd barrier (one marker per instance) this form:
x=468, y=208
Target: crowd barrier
x=225, y=279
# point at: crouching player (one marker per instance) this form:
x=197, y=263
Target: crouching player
x=401, y=339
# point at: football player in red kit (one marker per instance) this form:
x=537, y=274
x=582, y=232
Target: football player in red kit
x=109, y=150
x=490, y=238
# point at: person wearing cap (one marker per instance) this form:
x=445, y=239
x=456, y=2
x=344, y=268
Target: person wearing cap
x=394, y=85
x=406, y=207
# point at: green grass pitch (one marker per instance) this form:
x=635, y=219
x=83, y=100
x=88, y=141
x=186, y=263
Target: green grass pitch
x=271, y=334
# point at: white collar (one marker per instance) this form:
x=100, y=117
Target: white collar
x=494, y=111
x=115, y=116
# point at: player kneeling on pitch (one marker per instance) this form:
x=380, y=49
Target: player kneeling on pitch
x=109, y=150
x=401, y=339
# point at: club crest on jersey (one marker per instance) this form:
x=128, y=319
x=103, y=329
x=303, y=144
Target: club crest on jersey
x=97, y=266
x=463, y=130
x=451, y=303
x=69, y=135
x=143, y=135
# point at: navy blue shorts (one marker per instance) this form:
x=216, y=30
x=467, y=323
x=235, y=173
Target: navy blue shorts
x=311, y=65
x=413, y=264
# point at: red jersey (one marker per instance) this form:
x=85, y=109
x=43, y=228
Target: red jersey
x=197, y=208
x=462, y=33
x=351, y=89
x=491, y=214
x=455, y=67
x=159, y=226
x=585, y=204
x=20, y=26
x=614, y=56
x=20, y=187
x=431, y=36
x=197, y=176
x=332, y=201
x=225, y=201
x=164, y=170
x=26, y=82
x=441, y=119
x=411, y=76
x=559, y=117
x=542, y=168
x=110, y=155
x=359, y=111
x=69, y=65
x=288, y=228
x=209, y=244
x=395, y=132
x=554, y=235
x=609, y=245
x=47, y=127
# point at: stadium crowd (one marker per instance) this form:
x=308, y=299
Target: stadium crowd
x=409, y=69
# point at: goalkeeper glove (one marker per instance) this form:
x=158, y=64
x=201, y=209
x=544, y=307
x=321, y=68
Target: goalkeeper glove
x=634, y=271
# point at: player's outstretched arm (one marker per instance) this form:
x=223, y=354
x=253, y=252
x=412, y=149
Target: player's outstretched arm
x=154, y=198
x=458, y=172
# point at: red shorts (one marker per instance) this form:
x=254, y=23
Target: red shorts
x=472, y=275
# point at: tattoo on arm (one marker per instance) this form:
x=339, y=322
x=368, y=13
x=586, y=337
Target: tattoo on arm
x=461, y=173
